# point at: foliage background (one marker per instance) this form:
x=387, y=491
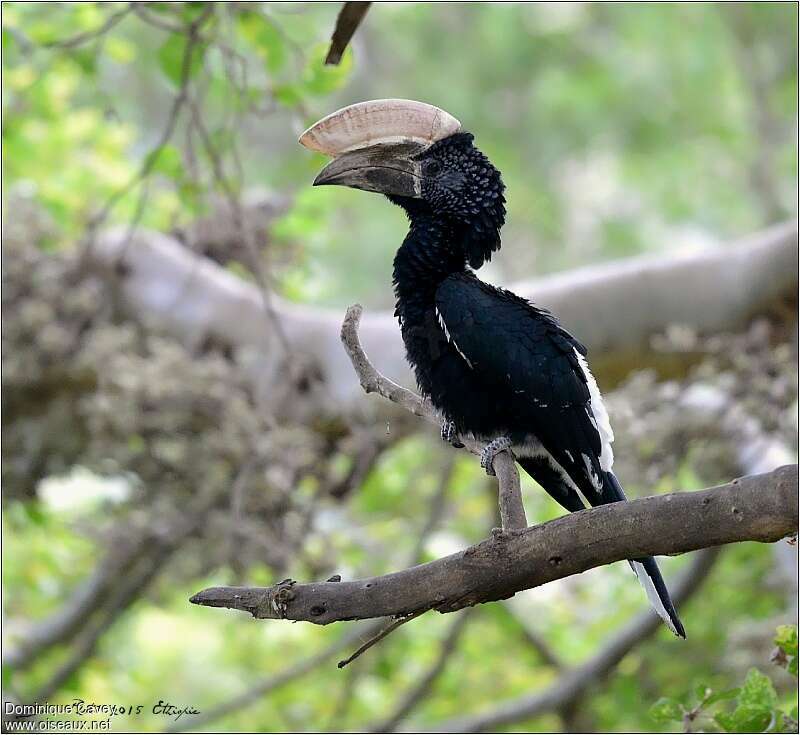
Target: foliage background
x=620, y=129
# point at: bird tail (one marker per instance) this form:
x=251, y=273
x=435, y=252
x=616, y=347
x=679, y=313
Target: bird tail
x=647, y=570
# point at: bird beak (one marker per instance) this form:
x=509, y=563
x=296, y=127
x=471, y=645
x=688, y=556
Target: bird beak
x=385, y=168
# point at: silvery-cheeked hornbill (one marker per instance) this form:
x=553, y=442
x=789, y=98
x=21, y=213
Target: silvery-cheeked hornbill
x=496, y=366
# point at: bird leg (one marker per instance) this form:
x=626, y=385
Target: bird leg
x=492, y=449
x=449, y=433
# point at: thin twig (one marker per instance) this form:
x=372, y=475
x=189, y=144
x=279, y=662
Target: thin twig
x=152, y=157
x=424, y=686
x=244, y=233
x=86, y=36
x=256, y=692
x=510, y=496
x=379, y=637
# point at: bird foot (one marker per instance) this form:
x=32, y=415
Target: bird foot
x=491, y=450
x=449, y=434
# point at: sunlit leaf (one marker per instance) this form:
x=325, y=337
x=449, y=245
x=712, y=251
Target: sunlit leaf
x=172, y=56
x=786, y=639
x=758, y=691
x=666, y=710
x=265, y=37
x=320, y=78
x=722, y=696
x=168, y=161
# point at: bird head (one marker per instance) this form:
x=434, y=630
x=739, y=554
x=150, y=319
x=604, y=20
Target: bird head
x=419, y=157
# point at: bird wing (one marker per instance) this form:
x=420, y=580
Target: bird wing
x=519, y=347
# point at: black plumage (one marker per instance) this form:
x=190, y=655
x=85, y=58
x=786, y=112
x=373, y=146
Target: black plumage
x=495, y=365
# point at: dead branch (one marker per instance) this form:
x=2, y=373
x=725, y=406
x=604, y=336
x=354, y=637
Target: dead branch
x=347, y=23
x=757, y=508
x=378, y=637
x=512, y=512
x=255, y=692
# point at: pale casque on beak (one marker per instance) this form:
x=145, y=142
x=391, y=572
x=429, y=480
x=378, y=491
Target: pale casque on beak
x=373, y=144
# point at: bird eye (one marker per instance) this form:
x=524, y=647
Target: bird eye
x=432, y=168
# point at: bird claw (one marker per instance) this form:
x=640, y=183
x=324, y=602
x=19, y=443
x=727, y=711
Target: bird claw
x=491, y=450
x=449, y=434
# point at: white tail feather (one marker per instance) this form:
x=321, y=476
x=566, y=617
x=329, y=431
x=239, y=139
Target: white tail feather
x=652, y=594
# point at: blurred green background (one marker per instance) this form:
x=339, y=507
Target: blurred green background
x=620, y=129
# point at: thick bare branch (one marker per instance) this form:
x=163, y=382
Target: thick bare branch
x=756, y=508
x=711, y=291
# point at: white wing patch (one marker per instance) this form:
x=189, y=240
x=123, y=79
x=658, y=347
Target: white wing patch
x=598, y=416
x=591, y=474
x=533, y=448
x=450, y=339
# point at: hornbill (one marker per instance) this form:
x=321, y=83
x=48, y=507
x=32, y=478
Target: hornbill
x=495, y=365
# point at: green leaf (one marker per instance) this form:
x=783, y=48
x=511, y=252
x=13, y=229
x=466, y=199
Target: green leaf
x=168, y=162
x=265, y=37
x=320, y=78
x=702, y=691
x=86, y=59
x=725, y=721
x=786, y=639
x=289, y=95
x=666, y=710
x=191, y=11
x=722, y=696
x=170, y=58
x=758, y=691
x=792, y=667
x=751, y=718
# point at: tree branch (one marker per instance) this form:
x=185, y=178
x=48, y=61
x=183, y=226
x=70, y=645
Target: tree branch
x=423, y=687
x=512, y=512
x=347, y=23
x=718, y=289
x=759, y=508
x=756, y=508
x=81, y=38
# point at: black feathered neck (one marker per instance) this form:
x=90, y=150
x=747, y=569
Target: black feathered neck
x=464, y=197
x=454, y=226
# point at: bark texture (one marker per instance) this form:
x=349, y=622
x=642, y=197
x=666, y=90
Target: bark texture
x=192, y=297
x=755, y=508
